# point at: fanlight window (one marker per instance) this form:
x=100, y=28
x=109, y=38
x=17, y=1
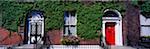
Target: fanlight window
x=110, y=14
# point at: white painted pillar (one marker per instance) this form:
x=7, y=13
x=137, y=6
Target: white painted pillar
x=42, y=27
x=29, y=32
x=42, y=30
x=103, y=26
x=118, y=34
x=103, y=32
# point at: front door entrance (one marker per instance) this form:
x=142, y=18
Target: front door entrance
x=110, y=33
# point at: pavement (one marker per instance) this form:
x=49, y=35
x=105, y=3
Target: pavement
x=31, y=46
x=121, y=47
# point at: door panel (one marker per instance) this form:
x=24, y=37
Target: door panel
x=110, y=33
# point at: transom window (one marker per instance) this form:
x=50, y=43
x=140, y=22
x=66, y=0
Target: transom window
x=110, y=14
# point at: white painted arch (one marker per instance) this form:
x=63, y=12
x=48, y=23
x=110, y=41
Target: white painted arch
x=118, y=27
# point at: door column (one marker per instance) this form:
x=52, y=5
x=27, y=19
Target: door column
x=103, y=32
x=104, y=29
x=118, y=34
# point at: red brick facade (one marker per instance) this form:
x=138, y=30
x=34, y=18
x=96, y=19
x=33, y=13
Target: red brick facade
x=9, y=38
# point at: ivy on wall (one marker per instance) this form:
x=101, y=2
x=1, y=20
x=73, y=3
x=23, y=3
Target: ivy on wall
x=89, y=16
x=145, y=9
x=11, y=11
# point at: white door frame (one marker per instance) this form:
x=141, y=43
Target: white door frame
x=118, y=27
x=36, y=20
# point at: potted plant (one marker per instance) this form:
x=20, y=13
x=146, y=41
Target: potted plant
x=70, y=40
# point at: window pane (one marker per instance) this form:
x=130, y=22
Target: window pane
x=39, y=26
x=33, y=28
x=66, y=16
x=69, y=18
x=145, y=31
x=72, y=20
x=72, y=30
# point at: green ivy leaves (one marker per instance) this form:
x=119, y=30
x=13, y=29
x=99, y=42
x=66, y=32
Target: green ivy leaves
x=89, y=18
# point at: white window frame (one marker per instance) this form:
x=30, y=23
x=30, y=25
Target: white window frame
x=70, y=24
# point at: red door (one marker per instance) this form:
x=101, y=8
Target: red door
x=110, y=33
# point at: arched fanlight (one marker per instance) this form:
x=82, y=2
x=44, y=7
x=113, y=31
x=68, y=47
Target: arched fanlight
x=35, y=13
x=110, y=14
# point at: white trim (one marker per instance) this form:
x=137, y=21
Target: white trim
x=114, y=11
x=118, y=27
